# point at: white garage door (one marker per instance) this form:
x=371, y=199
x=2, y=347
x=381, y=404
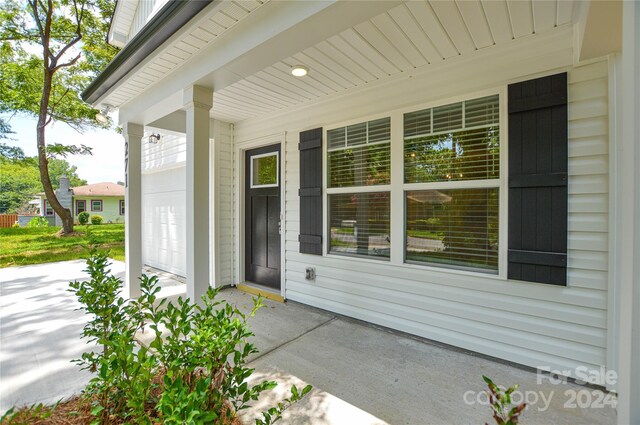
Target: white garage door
x=164, y=220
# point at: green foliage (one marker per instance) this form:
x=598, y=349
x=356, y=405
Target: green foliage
x=32, y=414
x=10, y=152
x=20, y=177
x=69, y=38
x=22, y=72
x=20, y=181
x=83, y=217
x=96, y=219
x=38, y=221
x=5, y=130
x=15, y=225
x=59, y=168
x=193, y=370
x=500, y=401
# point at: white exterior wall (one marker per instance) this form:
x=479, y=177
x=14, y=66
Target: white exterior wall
x=110, y=208
x=164, y=203
x=533, y=324
x=223, y=251
x=145, y=11
x=164, y=199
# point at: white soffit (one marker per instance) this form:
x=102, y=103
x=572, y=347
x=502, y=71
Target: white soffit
x=412, y=35
x=122, y=19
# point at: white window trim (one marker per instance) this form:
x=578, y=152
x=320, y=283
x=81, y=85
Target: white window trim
x=262, y=155
x=397, y=187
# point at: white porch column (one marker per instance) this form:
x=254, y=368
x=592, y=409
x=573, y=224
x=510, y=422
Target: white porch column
x=198, y=101
x=133, y=207
x=628, y=235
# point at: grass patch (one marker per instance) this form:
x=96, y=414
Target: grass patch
x=23, y=246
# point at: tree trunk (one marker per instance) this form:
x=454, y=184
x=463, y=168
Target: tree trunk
x=43, y=162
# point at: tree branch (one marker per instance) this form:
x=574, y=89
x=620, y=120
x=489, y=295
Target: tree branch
x=70, y=63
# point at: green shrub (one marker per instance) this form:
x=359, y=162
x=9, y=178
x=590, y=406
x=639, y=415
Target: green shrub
x=83, y=217
x=16, y=224
x=38, y=221
x=500, y=400
x=193, y=371
x=96, y=219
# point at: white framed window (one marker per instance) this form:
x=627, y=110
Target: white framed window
x=48, y=209
x=121, y=206
x=452, y=185
x=96, y=205
x=358, y=189
x=265, y=170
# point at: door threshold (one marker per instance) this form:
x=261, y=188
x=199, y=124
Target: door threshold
x=255, y=289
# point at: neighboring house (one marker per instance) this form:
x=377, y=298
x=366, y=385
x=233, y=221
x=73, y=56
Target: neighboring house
x=462, y=171
x=103, y=199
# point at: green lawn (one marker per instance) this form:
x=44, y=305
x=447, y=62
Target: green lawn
x=22, y=246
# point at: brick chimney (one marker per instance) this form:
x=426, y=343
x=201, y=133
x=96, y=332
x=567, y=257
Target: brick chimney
x=65, y=196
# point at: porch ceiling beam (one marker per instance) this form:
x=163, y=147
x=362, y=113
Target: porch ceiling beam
x=270, y=34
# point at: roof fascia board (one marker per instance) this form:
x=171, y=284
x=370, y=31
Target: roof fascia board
x=169, y=19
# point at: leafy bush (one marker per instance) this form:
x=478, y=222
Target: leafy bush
x=193, y=371
x=38, y=221
x=96, y=219
x=500, y=401
x=83, y=217
x=15, y=225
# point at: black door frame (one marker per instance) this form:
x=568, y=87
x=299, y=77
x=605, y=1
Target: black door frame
x=242, y=171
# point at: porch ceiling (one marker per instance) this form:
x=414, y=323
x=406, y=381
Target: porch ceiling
x=411, y=35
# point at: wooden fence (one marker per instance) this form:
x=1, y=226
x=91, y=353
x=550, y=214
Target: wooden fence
x=7, y=220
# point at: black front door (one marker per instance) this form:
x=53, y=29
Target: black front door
x=262, y=216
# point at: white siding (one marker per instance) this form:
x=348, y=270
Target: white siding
x=223, y=158
x=528, y=323
x=164, y=212
x=164, y=238
x=164, y=198
x=145, y=11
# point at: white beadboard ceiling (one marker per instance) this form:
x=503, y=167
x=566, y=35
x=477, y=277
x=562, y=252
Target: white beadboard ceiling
x=412, y=35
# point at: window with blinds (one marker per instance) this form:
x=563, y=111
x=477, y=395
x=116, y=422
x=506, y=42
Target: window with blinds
x=359, y=224
x=358, y=157
x=451, y=220
x=457, y=227
x=359, y=154
x=453, y=142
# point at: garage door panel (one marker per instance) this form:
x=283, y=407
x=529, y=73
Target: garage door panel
x=164, y=220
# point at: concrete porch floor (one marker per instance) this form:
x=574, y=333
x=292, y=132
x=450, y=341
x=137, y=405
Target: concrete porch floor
x=361, y=374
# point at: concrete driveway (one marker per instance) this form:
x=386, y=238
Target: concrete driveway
x=361, y=374
x=40, y=329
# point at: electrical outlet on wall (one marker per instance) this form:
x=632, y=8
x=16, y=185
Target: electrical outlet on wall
x=310, y=273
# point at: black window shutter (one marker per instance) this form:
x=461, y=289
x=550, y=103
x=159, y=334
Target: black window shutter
x=311, y=192
x=538, y=180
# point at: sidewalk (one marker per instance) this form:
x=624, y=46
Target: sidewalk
x=361, y=374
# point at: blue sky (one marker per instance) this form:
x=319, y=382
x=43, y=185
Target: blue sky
x=105, y=165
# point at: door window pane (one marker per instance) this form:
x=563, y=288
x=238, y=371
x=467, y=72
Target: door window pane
x=359, y=224
x=264, y=170
x=457, y=227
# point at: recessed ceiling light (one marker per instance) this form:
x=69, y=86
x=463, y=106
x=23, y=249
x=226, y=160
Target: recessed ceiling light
x=299, y=71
